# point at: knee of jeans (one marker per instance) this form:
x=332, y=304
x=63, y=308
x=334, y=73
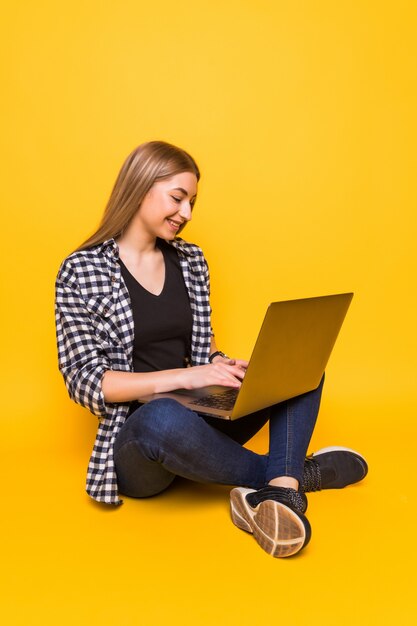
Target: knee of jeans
x=136, y=476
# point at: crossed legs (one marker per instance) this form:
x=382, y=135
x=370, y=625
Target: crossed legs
x=163, y=439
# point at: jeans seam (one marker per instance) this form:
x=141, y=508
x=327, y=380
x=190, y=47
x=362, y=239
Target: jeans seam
x=288, y=452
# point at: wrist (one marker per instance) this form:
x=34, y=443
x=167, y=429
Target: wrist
x=217, y=353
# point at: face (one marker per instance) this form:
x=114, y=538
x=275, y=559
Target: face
x=168, y=205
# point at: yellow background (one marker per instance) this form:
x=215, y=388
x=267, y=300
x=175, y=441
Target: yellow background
x=302, y=117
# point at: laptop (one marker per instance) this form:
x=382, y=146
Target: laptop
x=289, y=358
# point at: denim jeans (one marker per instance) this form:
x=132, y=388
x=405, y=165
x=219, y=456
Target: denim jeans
x=163, y=439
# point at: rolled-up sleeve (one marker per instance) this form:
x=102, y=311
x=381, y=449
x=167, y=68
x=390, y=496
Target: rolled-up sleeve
x=81, y=359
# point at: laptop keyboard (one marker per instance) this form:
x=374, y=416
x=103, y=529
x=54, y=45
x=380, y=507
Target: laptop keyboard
x=224, y=400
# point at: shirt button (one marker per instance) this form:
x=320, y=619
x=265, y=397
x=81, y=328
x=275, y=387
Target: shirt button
x=113, y=279
x=105, y=311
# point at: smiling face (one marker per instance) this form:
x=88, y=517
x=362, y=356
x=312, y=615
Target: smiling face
x=167, y=206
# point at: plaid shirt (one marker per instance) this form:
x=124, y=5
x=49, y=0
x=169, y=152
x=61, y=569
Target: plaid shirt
x=95, y=333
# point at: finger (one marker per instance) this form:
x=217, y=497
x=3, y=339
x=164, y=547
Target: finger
x=239, y=362
x=228, y=381
x=231, y=376
x=236, y=371
x=233, y=371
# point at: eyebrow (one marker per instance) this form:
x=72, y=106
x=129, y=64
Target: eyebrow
x=183, y=191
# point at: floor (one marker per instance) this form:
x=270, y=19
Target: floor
x=177, y=558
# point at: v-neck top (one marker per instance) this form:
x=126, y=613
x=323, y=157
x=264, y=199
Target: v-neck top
x=162, y=323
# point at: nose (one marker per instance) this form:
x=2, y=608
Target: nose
x=185, y=211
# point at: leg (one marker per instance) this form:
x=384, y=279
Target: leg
x=328, y=468
x=275, y=514
x=291, y=426
x=162, y=439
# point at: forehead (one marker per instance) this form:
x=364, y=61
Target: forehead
x=184, y=180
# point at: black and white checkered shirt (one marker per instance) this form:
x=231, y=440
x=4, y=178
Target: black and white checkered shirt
x=94, y=325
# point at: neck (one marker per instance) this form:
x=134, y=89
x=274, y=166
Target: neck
x=135, y=241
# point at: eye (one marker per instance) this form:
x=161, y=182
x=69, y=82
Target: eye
x=176, y=199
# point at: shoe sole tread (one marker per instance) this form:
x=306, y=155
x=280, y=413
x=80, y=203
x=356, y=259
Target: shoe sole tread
x=278, y=529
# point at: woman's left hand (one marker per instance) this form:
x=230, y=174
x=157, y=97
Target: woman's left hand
x=239, y=362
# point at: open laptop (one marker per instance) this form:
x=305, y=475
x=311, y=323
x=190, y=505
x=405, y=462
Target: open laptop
x=289, y=358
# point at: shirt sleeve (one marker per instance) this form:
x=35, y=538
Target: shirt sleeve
x=206, y=273
x=80, y=358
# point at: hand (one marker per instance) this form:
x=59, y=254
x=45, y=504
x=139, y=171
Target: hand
x=225, y=372
x=239, y=362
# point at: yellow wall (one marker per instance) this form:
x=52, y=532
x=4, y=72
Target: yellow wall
x=302, y=117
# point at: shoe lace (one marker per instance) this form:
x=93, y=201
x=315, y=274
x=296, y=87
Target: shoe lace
x=292, y=498
x=297, y=501
x=311, y=475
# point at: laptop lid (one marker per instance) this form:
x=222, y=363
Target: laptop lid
x=291, y=351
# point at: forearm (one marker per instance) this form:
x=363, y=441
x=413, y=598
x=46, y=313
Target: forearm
x=127, y=386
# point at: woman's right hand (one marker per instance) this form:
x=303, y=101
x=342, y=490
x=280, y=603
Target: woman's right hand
x=219, y=373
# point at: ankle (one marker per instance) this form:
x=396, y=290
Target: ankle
x=285, y=481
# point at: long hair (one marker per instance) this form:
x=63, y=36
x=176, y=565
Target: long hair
x=148, y=163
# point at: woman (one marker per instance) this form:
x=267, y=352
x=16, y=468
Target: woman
x=133, y=318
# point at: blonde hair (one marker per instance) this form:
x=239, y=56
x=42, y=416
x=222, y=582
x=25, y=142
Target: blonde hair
x=148, y=163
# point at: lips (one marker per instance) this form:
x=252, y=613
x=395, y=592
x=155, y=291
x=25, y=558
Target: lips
x=174, y=225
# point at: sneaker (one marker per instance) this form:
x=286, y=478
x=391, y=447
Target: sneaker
x=275, y=517
x=333, y=468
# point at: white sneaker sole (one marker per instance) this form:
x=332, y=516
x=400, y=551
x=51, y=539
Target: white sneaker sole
x=343, y=449
x=337, y=449
x=277, y=529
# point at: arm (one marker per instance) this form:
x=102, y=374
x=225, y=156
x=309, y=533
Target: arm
x=80, y=357
x=127, y=386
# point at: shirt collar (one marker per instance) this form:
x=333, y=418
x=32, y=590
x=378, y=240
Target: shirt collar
x=182, y=246
x=110, y=247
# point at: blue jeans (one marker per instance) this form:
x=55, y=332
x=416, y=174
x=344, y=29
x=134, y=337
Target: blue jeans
x=163, y=439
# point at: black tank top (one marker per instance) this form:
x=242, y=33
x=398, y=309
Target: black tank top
x=162, y=323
